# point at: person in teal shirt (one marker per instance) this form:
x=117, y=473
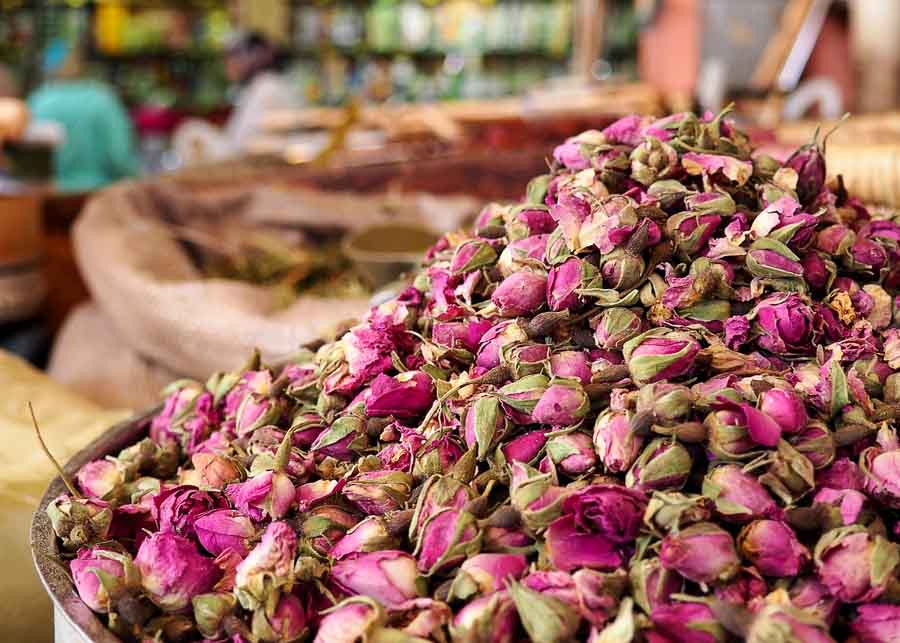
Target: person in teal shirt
x=98, y=148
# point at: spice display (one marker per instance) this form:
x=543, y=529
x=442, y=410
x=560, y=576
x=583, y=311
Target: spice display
x=656, y=401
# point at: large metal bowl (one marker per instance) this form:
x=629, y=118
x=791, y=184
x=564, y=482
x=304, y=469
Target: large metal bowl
x=74, y=618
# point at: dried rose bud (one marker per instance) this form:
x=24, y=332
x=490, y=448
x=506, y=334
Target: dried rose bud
x=79, y=521
x=270, y=493
x=660, y=354
x=770, y=259
x=522, y=396
x=688, y=622
x=564, y=280
x=808, y=594
x=544, y=617
x=703, y=553
x=437, y=455
x=177, y=508
x=772, y=547
x=486, y=619
x=524, y=358
x=535, y=496
x=880, y=475
x=786, y=407
x=621, y=270
x=816, y=442
x=446, y=539
x=692, y=230
x=221, y=529
x=529, y=219
x=854, y=564
x=563, y=403
x=173, y=571
x=573, y=154
x=405, y=396
x=876, y=623
x=666, y=403
x=343, y=440
x=522, y=293
x=672, y=510
x=501, y=334
x=595, y=523
x=616, y=444
x=738, y=495
x=353, y=619
x=523, y=255
x=782, y=622
x=784, y=323
x=790, y=475
x=572, y=453
x=388, y=576
x=460, y=335
x=652, y=160
x=571, y=364
x=287, y=622
x=471, y=255
x=257, y=411
x=378, y=492
x=484, y=424
x=486, y=573
x=212, y=471
x=100, y=478
x=268, y=567
x=371, y=534
x=101, y=576
x=729, y=437
x=652, y=584
x=809, y=163
x=615, y=326
x=210, y=611
x=663, y=464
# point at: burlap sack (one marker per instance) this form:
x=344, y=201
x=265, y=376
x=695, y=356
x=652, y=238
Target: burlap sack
x=163, y=308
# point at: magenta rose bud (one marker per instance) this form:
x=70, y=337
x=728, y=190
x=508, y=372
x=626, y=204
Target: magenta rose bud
x=786, y=623
x=173, y=571
x=573, y=155
x=564, y=403
x=571, y=364
x=660, y=354
x=572, y=453
x=876, y=623
x=179, y=507
x=525, y=447
x=855, y=565
x=784, y=323
x=222, y=529
x=564, y=280
x=100, y=478
x=738, y=495
x=808, y=594
x=615, y=326
x=809, y=163
x=662, y=465
x=101, y=576
x=464, y=335
x=616, y=444
x=652, y=584
x=703, y=553
x=378, y=492
x=388, y=576
x=270, y=493
x=371, y=534
x=881, y=475
x=493, y=341
x=486, y=619
x=287, y=622
x=687, y=622
x=268, y=567
x=772, y=547
x=487, y=573
x=523, y=254
x=350, y=620
x=471, y=255
x=522, y=293
x=786, y=407
x=405, y=396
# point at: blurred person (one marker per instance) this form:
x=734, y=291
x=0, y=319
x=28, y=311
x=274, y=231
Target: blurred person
x=98, y=146
x=255, y=66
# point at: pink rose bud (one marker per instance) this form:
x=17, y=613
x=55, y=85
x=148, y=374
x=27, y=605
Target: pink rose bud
x=652, y=584
x=729, y=437
x=446, y=539
x=501, y=334
x=784, y=323
x=881, y=475
x=733, y=169
x=100, y=478
x=101, y=576
x=563, y=403
x=846, y=506
x=817, y=270
x=325, y=525
x=544, y=617
x=787, y=623
x=343, y=440
x=212, y=471
x=268, y=567
x=521, y=397
x=809, y=164
x=523, y=255
x=173, y=571
x=660, y=354
x=460, y=335
x=524, y=448
x=79, y=521
x=596, y=523
x=522, y=293
x=210, y=611
x=487, y=573
x=573, y=155
x=181, y=397
x=816, y=442
x=350, y=620
x=529, y=219
x=739, y=496
x=662, y=465
x=785, y=407
x=405, y=396
x=616, y=444
x=222, y=529
x=692, y=230
x=315, y=493
x=437, y=456
x=572, y=453
x=563, y=282
x=288, y=621
x=471, y=255
x=486, y=619
x=615, y=326
x=371, y=534
x=855, y=565
x=810, y=595
x=876, y=623
x=772, y=547
x=378, y=492
x=703, y=553
x=388, y=576
x=268, y=494
x=257, y=411
x=525, y=358
x=306, y=427
x=571, y=364
x=747, y=588
x=484, y=425
x=177, y=508
x=771, y=259
x=688, y=622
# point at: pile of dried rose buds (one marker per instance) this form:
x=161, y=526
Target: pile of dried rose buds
x=654, y=401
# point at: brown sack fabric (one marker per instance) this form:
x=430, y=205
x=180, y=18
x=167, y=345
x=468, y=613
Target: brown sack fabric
x=142, y=278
